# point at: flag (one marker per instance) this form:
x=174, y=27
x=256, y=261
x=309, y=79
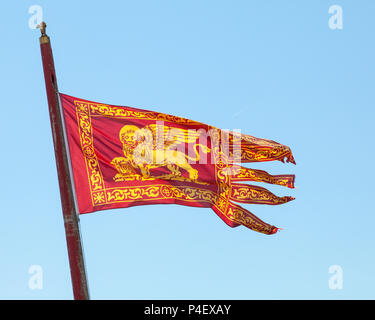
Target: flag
x=122, y=157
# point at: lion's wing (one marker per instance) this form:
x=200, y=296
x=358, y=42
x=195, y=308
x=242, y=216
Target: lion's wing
x=165, y=137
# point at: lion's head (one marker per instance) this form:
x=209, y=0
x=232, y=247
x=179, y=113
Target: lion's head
x=126, y=136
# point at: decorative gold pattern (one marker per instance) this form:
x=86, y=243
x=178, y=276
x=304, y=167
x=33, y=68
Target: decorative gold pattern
x=246, y=218
x=253, y=194
x=96, y=180
x=155, y=192
x=239, y=173
x=128, y=113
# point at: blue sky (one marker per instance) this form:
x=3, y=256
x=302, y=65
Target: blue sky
x=273, y=69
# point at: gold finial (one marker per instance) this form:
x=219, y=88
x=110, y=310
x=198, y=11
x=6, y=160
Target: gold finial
x=42, y=26
x=44, y=38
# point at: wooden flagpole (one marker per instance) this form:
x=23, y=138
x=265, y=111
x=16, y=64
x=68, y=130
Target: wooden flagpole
x=71, y=219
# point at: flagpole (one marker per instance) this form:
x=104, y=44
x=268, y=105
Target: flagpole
x=71, y=219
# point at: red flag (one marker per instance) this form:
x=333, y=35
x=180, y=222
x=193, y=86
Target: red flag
x=122, y=157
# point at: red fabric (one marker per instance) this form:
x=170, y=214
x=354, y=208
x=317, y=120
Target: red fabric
x=105, y=176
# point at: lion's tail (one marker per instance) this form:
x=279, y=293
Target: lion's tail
x=205, y=149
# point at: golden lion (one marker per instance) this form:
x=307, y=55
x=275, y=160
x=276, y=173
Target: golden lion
x=156, y=146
